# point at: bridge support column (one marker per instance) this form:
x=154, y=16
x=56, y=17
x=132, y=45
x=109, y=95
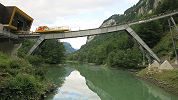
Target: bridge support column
x=145, y=55
x=9, y=46
x=39, y=41
x=174, y=39
x=142, y=43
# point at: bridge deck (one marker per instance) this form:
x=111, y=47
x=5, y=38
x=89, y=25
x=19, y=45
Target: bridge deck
x=96, y=31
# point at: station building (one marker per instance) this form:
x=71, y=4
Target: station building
x=14, y=19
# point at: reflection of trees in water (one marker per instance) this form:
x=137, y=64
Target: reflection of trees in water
x=119, y=85
x=57, y=74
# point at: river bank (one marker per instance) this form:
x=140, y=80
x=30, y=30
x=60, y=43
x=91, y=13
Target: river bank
x=21, y=80
x=165, y=79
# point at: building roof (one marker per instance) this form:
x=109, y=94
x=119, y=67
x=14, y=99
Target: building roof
x=16, y=9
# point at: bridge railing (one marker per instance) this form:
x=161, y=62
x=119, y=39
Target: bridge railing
x=147, y=18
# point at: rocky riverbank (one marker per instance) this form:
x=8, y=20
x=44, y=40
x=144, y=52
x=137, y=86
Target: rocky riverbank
x=166, y=79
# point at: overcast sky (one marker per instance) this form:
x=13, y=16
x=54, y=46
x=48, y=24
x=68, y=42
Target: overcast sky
x=77, y=14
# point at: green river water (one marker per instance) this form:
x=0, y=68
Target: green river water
x=86, y=82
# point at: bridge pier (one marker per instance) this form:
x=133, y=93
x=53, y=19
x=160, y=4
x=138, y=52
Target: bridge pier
x=9, y=46
x=38, y=42
x=172, y=26
x=142, y=43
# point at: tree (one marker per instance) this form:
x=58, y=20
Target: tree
x=52, y=51
x=151, y=32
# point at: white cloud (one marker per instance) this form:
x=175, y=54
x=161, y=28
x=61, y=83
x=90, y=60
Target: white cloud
x=74, y=13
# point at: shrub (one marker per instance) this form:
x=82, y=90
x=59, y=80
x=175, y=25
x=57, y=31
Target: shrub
x=14, y=64
x=35, y=60
x=125, y=59
x=23, y=87
x=26, y=45
x=52, y=51
x=3, y=60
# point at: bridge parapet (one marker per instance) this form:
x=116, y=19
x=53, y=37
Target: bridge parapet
x=29, y=35
x=6, y=34
x=82, y=33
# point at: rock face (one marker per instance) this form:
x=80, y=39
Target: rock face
x=105, y=24
x=141, y=11
x=109, y=23
x=89, y=38
x=156, y=3
x=147, y=6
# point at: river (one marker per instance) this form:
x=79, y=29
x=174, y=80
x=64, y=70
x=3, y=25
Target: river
x=88, y=82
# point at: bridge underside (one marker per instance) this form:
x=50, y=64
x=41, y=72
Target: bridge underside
x=127, y=28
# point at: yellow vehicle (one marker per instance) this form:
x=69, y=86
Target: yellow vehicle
x=46, y=29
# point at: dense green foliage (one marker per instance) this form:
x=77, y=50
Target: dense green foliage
x=108, y=50
x=151, y=32
x=51, y=52
x=167, y=5
x=20, y=80
x=23, y=78
x=26, y=45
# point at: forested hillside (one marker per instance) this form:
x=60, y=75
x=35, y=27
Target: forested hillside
x=119, y=49
x=68, y=47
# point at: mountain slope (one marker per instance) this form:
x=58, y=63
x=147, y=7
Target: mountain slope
x=143, y=9
x=68, y=47
x=119, y=49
